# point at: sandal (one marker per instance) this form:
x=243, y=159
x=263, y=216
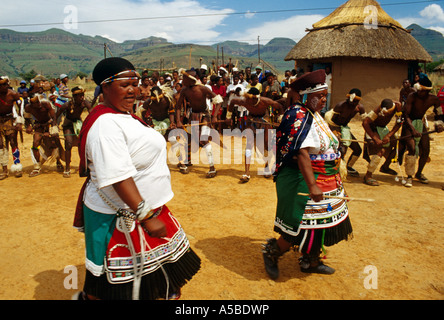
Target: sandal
x=371, y=182
x=211, y=174
x=35, y=173
x=388, y=171
x=245, y=178
x=3, y=175
x=422, y=179
x=67, y=174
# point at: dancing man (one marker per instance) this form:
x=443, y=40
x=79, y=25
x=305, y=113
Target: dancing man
x=417, y=140
x=196, y=94
x=72, y=124
x=380, y=140
x=46, y=133
x=258, y=107
x=160, y=105
x=9, y=128
x=338, y=119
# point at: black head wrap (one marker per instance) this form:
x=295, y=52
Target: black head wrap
x=109, y=67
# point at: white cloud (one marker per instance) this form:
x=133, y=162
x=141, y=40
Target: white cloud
x=127, y=13
x=293, y=28
x=433, y=13
x=439, y=29
x=405, y=22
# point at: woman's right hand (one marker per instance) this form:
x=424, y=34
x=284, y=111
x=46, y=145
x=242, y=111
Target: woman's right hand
x=155, y=227
x=316, y=193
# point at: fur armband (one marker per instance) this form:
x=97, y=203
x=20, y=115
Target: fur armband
x=217, y=99
x=363, y=116
x=439, y=123
x=53, y=130
x=372, y=115
x=19, y=120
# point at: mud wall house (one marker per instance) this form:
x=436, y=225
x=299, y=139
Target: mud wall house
x=365, y=48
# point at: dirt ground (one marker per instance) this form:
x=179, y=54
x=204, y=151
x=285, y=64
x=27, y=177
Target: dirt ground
x=399, y=236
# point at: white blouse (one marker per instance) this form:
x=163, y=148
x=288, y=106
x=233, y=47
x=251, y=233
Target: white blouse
x=119, y=147
x=321, y=142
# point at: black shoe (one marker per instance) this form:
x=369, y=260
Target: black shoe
x=320, y=268
x=422, y=178
x=388, y=171
x=271, y=253
x=352, y=172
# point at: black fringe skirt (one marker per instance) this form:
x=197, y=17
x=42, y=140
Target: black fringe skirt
x=153, y=285
x=319, y=237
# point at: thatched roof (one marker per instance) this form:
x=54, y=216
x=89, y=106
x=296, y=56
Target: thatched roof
x=439, y=68
x=343, y=34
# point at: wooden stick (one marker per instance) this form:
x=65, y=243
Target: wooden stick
x=339, y=197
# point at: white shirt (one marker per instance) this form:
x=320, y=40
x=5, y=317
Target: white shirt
x=119, y=147
x=328, y=82
x=320, y=141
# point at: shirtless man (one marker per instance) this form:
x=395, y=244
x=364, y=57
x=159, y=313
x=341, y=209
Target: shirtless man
x=72, y=124
x=381, y=141
x=258, y=107
x=196, y=96
x=405, y=91
x=417, y=142
x=338, y=119
x=292, y=98
x=160, y=104
x=9, y=129
x=45, y=130
x=144, y=91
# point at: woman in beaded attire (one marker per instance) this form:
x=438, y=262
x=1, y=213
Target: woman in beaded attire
x=308, y=162
x=135, y=247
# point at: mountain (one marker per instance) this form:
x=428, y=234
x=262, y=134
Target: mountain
x=56, y=51
x=273, y=52
x=431, y=40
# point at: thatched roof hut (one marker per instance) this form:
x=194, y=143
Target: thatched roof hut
x=364, y=47
x=439, y=69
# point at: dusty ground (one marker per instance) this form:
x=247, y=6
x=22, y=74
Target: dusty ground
x=400, y=234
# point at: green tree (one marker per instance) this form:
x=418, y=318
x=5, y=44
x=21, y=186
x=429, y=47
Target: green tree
x=28, y=75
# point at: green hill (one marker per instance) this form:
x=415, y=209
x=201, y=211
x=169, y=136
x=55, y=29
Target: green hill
x=56, y=51
x=431, y=40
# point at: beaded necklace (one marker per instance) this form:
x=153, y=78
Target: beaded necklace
x=333, y=142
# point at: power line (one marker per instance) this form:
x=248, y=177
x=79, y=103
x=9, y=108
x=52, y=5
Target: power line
x=211, y=14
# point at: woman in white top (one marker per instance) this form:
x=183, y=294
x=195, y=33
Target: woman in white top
x=122, y=204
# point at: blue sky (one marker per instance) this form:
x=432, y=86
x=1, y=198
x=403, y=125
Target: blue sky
x=198, y=21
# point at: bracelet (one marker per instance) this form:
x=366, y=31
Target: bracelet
x=143, y=213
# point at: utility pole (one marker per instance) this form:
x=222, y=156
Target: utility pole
x=258, y=49
x=104, y=50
